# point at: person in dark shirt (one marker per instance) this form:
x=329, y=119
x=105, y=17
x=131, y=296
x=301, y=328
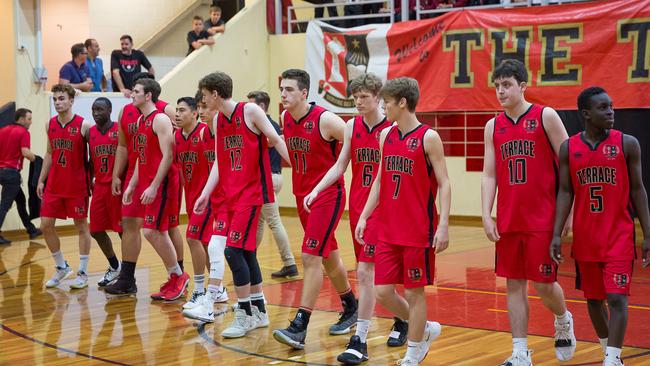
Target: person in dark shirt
x=270, y=211
x=214, y=24
x=125, y=64
x=198, y=37
x=75, y=72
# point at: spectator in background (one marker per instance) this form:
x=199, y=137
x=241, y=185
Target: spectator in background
x=125, y=64
x=214, y=24
x=95, y=66
x=75, y=72
x=198, y=37
x=15, y=142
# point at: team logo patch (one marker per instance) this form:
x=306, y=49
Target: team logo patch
x=147, y=123
x=113, y=134
x=358, y=135
x=546, y=270
x=149, y=219
x=577, y=155
x=369, y=250
x=194, y=229
x=415, y=274
x=501, y=130
x=238, y=122
x=173, y=219
x=610, y=151
x=311, y=243
x=621, y=280
x=195, y=140
x=309, y=126
x=530, y=125
x=412, y=143
x=79, y=210
x=235, y=236
x=219, y=225
x=73, y=131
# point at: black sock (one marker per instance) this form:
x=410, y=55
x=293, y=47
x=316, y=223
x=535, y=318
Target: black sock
x=180, y=263
x=260, y=304
x=303, y=314
x=128, y=270
x=348, y=300
x=113, y=262
x=246, y=306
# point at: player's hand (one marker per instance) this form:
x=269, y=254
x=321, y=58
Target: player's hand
x=39, y=189
x=360, y=230
x=490, y=228
x=646, y=252
x=441, y=238
x=309, y=199
x=126, y=92
x=201, y=204
x=568, y=228
x=128, y=195
x=148, y=195
x=116, y=186
x=555, y=250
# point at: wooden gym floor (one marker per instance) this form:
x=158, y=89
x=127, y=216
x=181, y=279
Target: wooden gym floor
x=61, y=327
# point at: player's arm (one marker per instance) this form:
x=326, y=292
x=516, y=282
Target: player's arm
x=130, y=188
x=162, y=127
x=436, y=156
x=337, y=170
x=47, y=164
x=121, y=159
x=638, y=193
x=27, y=153
x=213, y=178
x=332, y=127
x=373, y=196
x=253, y=112
x=489, y=183
x=170, y=112
x=563, y=203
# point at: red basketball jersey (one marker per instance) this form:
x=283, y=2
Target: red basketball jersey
x=311, y=155
x=407, y=198
x=365, y=157
x=244, y=166
x=527, y=173
x=193, y=162
x=69, y=174
x=129, y=125
x=603, y=228
x=102, y=152
x=149, y=153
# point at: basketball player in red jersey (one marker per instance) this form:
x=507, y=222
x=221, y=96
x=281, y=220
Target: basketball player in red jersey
x=601, y=168
x=244, y=173
x=125, y=160
x=412, y=172
x=194, y=149
x=156, y=180
x=65, y=167
x=105, y=208
x=521, y=146
x=312, y=136
x=361, y=146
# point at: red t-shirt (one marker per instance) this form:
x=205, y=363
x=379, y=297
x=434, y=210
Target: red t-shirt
x=12, y=139
x=408, y=188
x=69, y=174
x=603, y=228
x=527, y=173
x=102, y=152
x=311, y=155
x=244, y=166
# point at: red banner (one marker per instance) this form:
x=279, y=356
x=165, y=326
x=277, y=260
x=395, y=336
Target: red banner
x=565, y=48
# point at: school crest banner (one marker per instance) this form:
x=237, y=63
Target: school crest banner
x=565, y=48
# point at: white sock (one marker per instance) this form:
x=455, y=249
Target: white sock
x=564, y=318
x=213, y=291
x=520, y=344
x=83, y=263
x=199, y=283
x=412, y=350
x=613, y=353
x=176, y=268
x=603, y=344
x=362, y=329
x=58, y=259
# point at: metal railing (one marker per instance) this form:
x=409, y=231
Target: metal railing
x=390, y=14
x=505, y=4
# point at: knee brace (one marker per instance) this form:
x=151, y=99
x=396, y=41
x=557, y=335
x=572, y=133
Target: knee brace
x=238, y=266
x=253, y=267
x=216, y=257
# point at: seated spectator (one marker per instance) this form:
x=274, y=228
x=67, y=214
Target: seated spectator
x=125, y=64
x=76, y=72
x=95, y=66
x=214, y=24
x=197, y=37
